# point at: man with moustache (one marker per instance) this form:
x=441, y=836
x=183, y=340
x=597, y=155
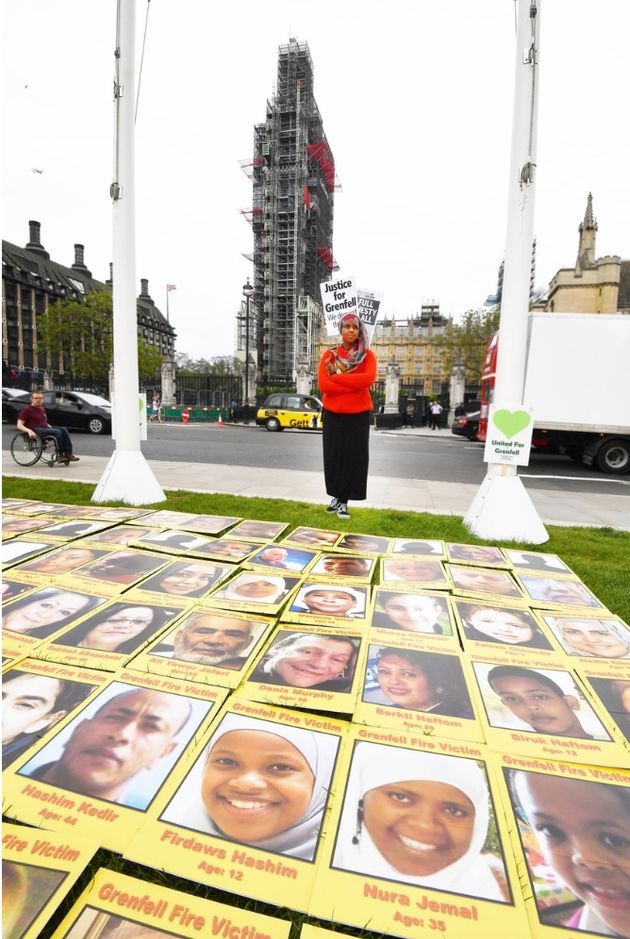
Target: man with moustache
x=209, y=639
x=129, y=733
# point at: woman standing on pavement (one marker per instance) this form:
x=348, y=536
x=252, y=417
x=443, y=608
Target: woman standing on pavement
x=344, y=376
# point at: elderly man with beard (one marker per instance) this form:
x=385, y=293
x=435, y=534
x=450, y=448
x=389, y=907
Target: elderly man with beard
x=209, y=639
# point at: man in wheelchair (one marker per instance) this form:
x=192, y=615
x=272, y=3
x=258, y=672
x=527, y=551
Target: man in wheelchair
x=33, y=421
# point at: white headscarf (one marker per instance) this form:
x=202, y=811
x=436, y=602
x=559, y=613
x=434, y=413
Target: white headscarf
x=376, y=765
x=319, y=751
x=570, y=648
x=232, y=591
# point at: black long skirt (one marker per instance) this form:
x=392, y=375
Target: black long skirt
x=346, y=454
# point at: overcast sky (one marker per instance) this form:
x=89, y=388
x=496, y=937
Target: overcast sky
x=416, y=98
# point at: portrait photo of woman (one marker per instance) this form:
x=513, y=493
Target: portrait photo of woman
x=121, y=628
x=502, y=625
x=419, y=818
x=591, y=638
x=308, y=660
x=225, y=548
x=261, y=589
x=258, y=531
x=186, y=579
x=123, y=567
x=413, y=612
x=417, y=681
x=259, y=783
x=64, y=560
x=47, y=610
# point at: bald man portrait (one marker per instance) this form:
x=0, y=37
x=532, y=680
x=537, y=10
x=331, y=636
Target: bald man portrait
x=210, y=639
x=130, y=733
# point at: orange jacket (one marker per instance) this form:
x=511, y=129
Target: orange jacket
x=347, y=392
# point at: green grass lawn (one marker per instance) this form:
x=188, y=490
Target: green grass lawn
x=598, y=555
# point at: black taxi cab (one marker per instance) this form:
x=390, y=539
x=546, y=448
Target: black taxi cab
x=290, y=410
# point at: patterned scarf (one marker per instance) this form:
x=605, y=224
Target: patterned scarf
x=349, y=361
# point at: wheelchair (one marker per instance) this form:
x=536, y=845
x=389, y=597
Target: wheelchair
x=27, y=452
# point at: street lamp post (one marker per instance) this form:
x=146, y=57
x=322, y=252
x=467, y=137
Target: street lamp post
x=248, y=291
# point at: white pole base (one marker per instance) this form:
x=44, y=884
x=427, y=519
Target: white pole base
x=128, y=478
x=503, y=511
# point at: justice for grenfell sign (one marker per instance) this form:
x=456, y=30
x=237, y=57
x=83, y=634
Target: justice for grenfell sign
x=338, y=298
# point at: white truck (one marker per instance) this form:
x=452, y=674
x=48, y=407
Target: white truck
x=577, y=381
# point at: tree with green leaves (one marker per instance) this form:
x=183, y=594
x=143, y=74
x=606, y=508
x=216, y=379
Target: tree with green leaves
x=216, y=365
x=81, y=330
x=466, y=342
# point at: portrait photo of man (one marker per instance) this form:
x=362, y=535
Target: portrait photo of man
x=121, y=747
x=209, y=638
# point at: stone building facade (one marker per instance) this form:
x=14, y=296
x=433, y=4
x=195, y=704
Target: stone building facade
x=31, y=281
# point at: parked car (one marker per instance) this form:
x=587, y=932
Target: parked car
x=76, y=410
x=8, y=394
x=290, y=410
x=467, y=425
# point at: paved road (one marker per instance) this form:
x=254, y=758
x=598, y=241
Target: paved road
x=447, y=458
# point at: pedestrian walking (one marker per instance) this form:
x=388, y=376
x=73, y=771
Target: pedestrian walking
x=436, y=414
x=344, y=376
x=156, y=410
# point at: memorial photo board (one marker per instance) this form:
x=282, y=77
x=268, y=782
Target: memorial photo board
x=38, y=870
x=34, y=618
x=419, y=572
x=121, y=569
x=589, y=635
x=254, y=592
x=57, y=564
x=36, y=695
x=208, y=646
x=570, y=823
x=282, y=558
x=318, y=538
x=113, y=634
x=357, y=543
x=328, y=602
x=116, y=906
x=416, y=842
x=536, y=561
x=181, y=583
x=225, y=549
x=484, y=582
x=416, y=690
x=13, y=525
x=70, y=529
x=344, y=568
x=118, y=536
x=252, y=802
x=542, y=710
x=484, y=625
x=258, y=530
x=419, y=547
x=101, y=770
x=412, y=609
x=19, y=549
x=476, y=555
x=171, y=541
x=609, y=683
x=308, y=667
x=554, y=593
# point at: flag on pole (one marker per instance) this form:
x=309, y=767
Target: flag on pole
x=170, y=287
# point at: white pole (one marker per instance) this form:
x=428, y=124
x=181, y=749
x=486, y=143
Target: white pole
x=502, y=509
x=127, y=477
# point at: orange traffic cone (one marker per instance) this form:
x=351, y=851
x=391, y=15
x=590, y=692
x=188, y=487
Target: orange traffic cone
x=220, y=421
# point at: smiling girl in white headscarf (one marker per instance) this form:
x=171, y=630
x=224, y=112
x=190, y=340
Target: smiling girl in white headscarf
x=261, y=784
x=417, y=818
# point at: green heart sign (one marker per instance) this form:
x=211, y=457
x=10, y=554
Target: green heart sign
x=511, y=423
